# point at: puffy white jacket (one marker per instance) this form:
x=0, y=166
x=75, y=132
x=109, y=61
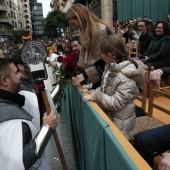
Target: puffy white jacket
x=119, y=88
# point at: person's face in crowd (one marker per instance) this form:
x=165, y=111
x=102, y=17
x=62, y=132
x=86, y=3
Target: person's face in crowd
x=168, y=17
x=142, y=27
x=74, y=23
x=26, y=69
x=63, y=45
x=66, y=41
x=75, y=46
x=131, y=23
x=134, y=21
x=139, y=19
x=67, y=48
x=14, y=79
x=145, y=18
x=159, y=29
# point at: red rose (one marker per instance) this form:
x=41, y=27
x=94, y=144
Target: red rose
x=74, y=54
x=70, y=66
x=60, y=59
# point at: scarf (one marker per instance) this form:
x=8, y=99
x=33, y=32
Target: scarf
x=11, y=106
x=14, y=97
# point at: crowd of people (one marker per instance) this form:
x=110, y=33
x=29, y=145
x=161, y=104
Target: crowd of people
x=154, y=42
x=103, y=62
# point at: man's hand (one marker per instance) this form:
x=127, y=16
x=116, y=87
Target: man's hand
x=51, y=119
x=133, y=32
x=156, y=76
x=86, y=98
x=53, y=64
x=165, y=162
x=145, y=59
x=78, y=79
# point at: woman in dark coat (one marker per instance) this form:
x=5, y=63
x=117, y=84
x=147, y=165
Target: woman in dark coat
x=158, y=53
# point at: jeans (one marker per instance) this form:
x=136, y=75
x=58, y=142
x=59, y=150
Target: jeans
x=150, y=141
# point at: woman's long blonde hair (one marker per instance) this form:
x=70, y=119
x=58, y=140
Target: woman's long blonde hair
x=88, y=23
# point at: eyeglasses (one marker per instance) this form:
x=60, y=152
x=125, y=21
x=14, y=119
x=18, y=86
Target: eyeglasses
x=158, y=28
x=141, y=25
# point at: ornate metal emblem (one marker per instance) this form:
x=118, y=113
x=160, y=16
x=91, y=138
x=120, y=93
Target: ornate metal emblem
x=33, y=52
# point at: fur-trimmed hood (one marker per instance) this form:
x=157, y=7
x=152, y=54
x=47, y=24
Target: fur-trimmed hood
x=129, y=70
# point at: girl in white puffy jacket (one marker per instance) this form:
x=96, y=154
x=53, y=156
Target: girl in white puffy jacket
x=120, y=85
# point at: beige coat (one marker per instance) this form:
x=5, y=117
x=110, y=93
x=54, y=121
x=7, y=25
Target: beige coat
x=94, y=54
x=118, y=90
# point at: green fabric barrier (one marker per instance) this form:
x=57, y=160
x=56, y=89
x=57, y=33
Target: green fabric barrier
x=66, y=111
x=115, y=155
x=94, y=146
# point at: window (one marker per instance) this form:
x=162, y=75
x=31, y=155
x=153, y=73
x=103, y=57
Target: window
x=1, y=28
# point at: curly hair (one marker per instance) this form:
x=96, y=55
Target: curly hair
x=165, y=27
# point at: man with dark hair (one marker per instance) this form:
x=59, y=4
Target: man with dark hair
x=75, y=45
x=145, y=37
x=21, y=144
x=27, y=88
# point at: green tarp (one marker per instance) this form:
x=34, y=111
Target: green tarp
x=94, y=145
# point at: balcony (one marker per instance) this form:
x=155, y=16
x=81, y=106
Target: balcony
x=27, y=24
x=5, y=20
x=26, y=3
x=28, y=29
x=27, y=15
x=19, y=21
x=25, y=9
x=3, y=7
x=28, y=19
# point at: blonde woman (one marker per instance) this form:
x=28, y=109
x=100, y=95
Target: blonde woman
x=119, y=86
x=92, y=31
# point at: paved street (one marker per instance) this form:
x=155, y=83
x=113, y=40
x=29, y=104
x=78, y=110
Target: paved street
x=68, y=154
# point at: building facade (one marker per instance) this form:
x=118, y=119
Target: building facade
x=37, y=18
x=102, y=8
x=26, y=15
x=19, y=12
x=112, y=10
x=8, y=18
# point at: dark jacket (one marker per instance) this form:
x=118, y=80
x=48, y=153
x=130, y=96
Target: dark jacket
x=166, y=71
x=144, y=42
x=158, y=52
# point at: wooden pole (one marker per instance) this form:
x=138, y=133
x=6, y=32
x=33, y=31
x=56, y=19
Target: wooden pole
x=47, y=106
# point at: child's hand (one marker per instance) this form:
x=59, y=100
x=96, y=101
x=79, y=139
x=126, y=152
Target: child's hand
x=86, y=98
x=85, y=91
